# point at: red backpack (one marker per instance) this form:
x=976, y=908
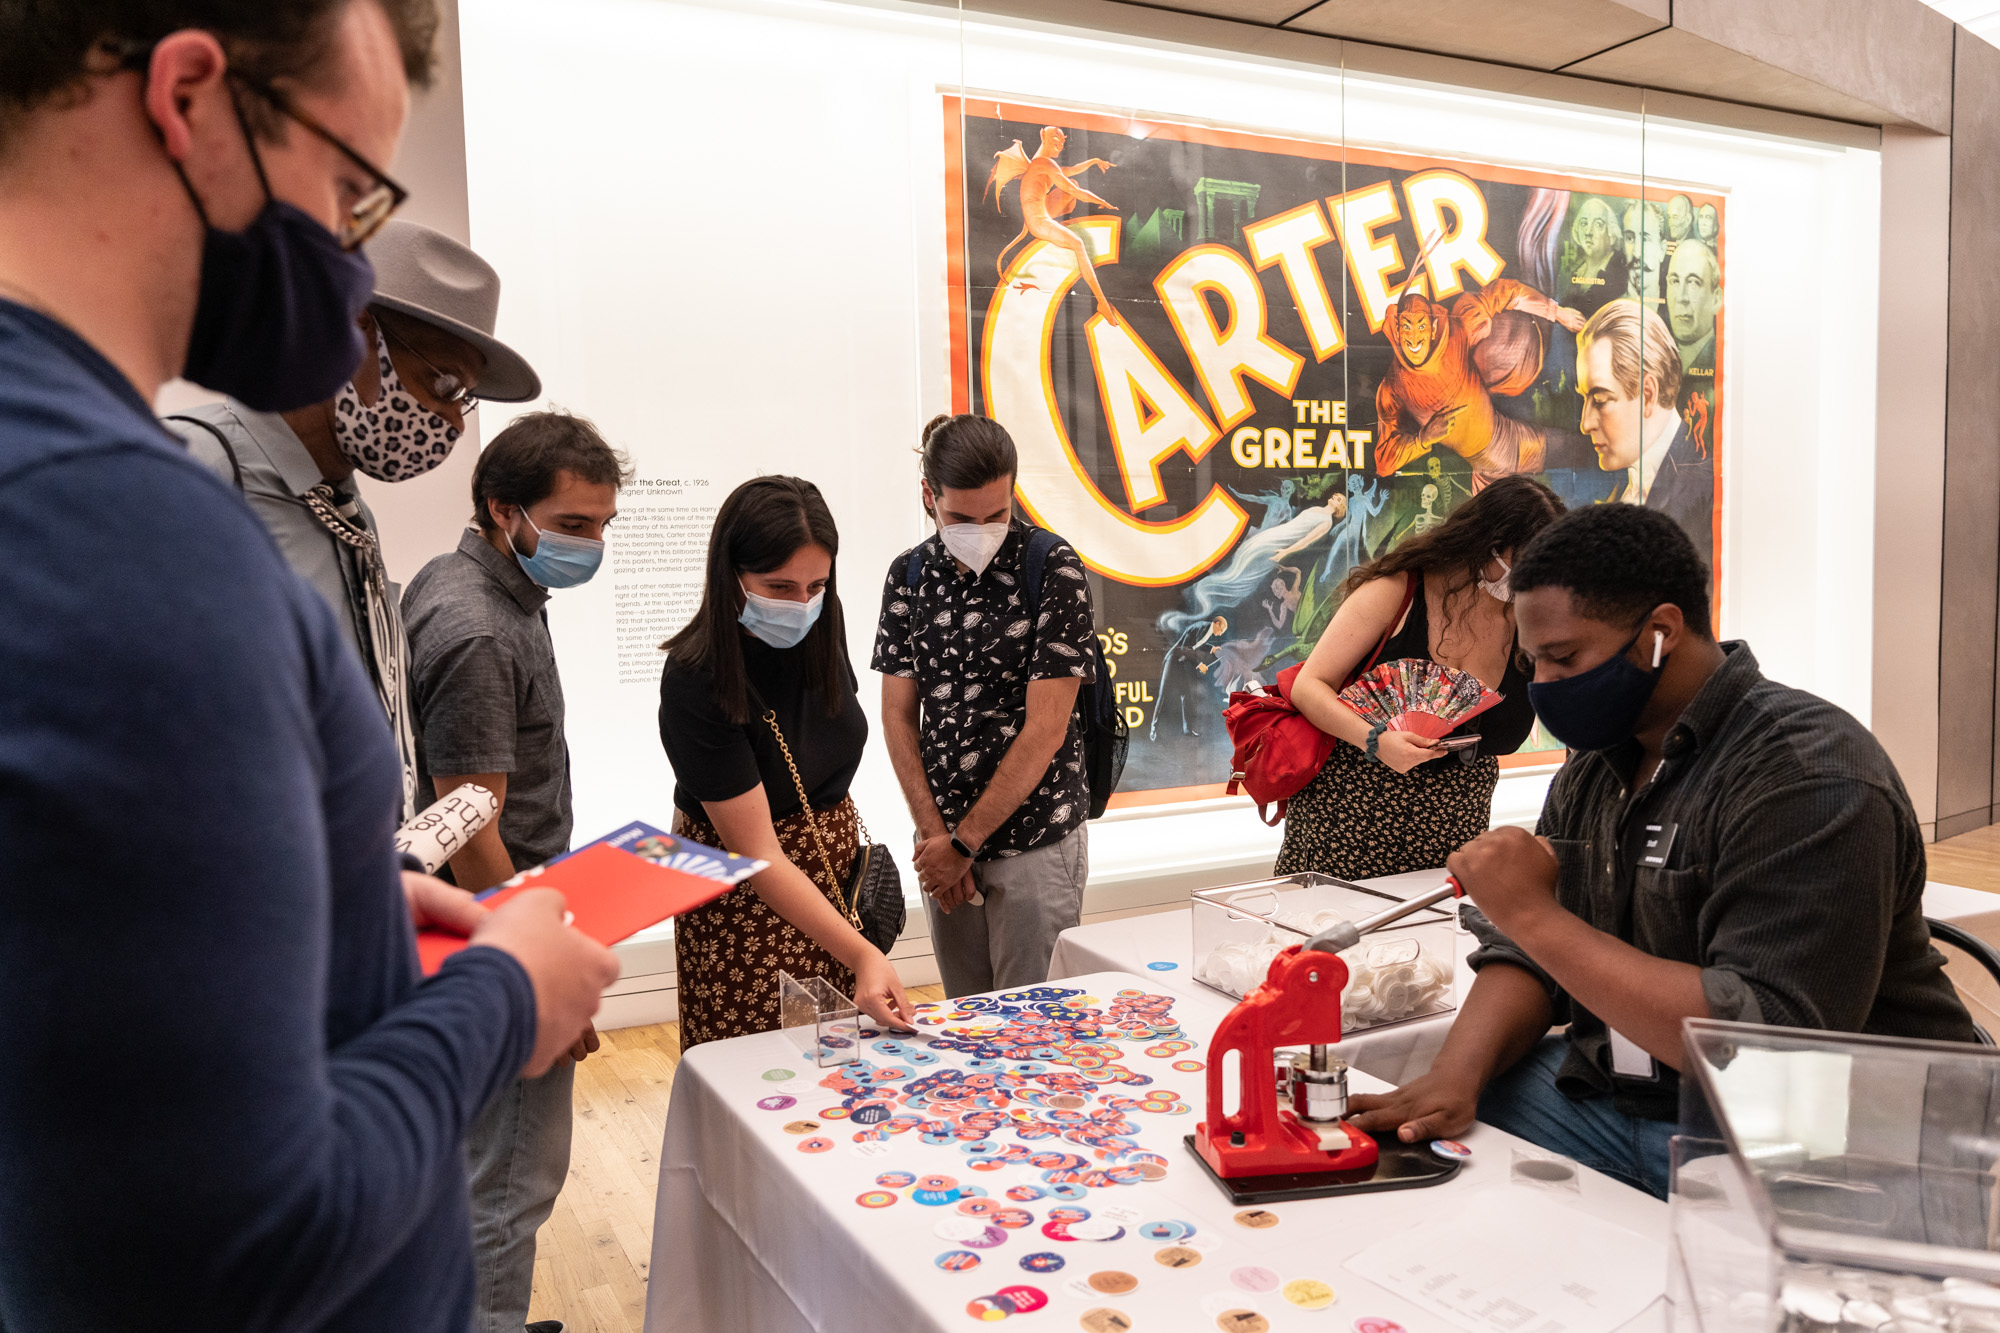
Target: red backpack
x=1278, y=749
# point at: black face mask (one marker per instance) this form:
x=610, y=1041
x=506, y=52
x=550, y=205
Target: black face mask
x=275, y=324
x=1596, y=709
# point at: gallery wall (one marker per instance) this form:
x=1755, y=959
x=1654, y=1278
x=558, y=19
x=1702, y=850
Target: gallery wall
x=722, y=234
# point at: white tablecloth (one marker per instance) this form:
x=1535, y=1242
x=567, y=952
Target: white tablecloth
x=1160, y=947
x=752, y=1233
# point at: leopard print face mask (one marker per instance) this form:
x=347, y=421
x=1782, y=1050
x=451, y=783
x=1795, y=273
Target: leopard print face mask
x=398, y=437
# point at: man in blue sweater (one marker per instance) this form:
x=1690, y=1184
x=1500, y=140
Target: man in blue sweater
x=227, y=1099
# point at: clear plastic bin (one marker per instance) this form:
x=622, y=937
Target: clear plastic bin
x=821, y=1022
x=1826, y=1182
x=1401, y=972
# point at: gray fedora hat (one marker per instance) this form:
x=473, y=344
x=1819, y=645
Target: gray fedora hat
x=429, y=276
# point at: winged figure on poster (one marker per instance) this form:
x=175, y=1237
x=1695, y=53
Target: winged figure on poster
x=1049, y=190
x=1448, y=364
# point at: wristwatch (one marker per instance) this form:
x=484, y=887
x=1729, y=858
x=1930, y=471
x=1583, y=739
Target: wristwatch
x=960, y=847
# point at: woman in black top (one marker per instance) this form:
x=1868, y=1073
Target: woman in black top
x=1388, y=803
x=768, y=646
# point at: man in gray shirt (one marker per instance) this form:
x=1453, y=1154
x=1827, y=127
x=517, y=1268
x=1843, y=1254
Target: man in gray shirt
x=430, y=326
x=489, y=707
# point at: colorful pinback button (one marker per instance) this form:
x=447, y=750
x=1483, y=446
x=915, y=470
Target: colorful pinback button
x=1161, y=967
x=778, y=1075
x=816, y=1145
x=1189, y=1066
x=1309, y=1293
x=1451, y=1150
x=896, y=1180
x=875, y=1198
x=937, y=1182
x=957, y=1261
x=1026, y=1193
x=1042, y=1261
x=933, y=1198
x=778, y=1103
x=1376, y=1324
x=1166, y=1232
x=1252, y=1277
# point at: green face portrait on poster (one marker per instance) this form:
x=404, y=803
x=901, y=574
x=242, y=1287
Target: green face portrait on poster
x=1238, y=367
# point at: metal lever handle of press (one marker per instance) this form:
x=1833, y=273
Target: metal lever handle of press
x=1344, y=935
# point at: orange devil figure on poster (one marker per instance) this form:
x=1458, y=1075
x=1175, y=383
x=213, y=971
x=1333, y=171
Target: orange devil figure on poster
x=1049, y=191
x=1448, y=365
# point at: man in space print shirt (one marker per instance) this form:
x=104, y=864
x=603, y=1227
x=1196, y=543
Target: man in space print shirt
x=972, y=646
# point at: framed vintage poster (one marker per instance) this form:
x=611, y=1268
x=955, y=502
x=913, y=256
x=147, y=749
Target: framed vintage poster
x=1239, y=366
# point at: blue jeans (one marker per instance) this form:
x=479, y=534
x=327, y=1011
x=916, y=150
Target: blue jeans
x=517, y=1153
x=1525, y=1101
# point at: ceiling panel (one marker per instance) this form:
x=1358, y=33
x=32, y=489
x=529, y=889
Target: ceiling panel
x=1686, y=63
x=1267, y=12
x=1542, y=34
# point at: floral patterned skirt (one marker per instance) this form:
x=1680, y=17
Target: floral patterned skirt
x=729, y=952
x=1359, y=818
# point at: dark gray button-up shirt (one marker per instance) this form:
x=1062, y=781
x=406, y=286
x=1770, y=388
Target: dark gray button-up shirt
x=483, y=673
x=1794, y=879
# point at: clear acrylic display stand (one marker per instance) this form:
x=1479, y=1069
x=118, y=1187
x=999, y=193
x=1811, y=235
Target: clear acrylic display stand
x=819, y=1019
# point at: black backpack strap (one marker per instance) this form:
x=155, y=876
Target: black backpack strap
x=1040, y=542
x=235, y=467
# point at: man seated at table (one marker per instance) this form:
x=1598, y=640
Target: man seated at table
x=1718, y=846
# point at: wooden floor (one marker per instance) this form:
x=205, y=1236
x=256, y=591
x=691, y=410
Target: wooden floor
x=1971, y=860
x=591, y=1257
x=590, y=1260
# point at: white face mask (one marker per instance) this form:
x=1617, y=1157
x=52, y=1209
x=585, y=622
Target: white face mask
x=1499, y=589
x=778, y=621
x=973, y=544
x=397, y=438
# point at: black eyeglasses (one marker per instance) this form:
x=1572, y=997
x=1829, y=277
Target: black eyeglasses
x=376, y=205
x=365, y=217
x=446, y=387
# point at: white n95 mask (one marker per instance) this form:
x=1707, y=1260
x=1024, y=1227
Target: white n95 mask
x=974, y=544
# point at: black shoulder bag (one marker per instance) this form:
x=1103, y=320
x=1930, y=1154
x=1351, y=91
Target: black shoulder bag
x=872, y=897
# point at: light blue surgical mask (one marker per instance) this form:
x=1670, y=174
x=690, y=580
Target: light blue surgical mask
x=560, y=560
x=778, y=622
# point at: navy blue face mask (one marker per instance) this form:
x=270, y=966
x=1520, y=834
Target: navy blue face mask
x=274, y=327
x=1596, y=709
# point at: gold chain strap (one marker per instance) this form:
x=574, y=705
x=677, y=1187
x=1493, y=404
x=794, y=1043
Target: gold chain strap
x=812, y=823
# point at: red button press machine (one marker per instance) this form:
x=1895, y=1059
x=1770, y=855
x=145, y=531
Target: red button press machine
x=1266, y=1152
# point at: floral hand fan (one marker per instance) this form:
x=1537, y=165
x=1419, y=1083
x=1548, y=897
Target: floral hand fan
x=1418, y=696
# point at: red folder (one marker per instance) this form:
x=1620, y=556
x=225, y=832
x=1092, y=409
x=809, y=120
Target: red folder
x=612, y=894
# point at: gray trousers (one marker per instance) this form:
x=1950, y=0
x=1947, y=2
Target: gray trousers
x=517, y=1155
x=1030, y=899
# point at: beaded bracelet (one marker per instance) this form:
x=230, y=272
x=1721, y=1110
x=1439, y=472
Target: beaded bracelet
x=1374, y=738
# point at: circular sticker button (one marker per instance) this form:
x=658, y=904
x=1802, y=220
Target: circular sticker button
x=1095, y=1229
x=779, y=1075
x=1252, y=1278
x=801, y=1126
x=1242, y=1321
x=778, y=1103
x=1257, y=1219
x=1161, y=967
x=1189, y=1066
x=1177, y=1256
x=957, y=1261
x=1166, y=1232
x=1069, y=1214
x=815, y=1145
x=1112, y=1282
x=934, y=1198
x=1451, y=1150
x=1309, y=1293
x=874, y=1113
x=1024, y=1193
x=1104, y=1319
x=875, y=1199
x=1013, y=1219
x=936, y=1183
x=1042, y=1261
x=896, y=1180
x=1370, y=1323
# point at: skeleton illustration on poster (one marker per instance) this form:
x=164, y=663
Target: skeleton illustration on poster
x=1237, y=367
